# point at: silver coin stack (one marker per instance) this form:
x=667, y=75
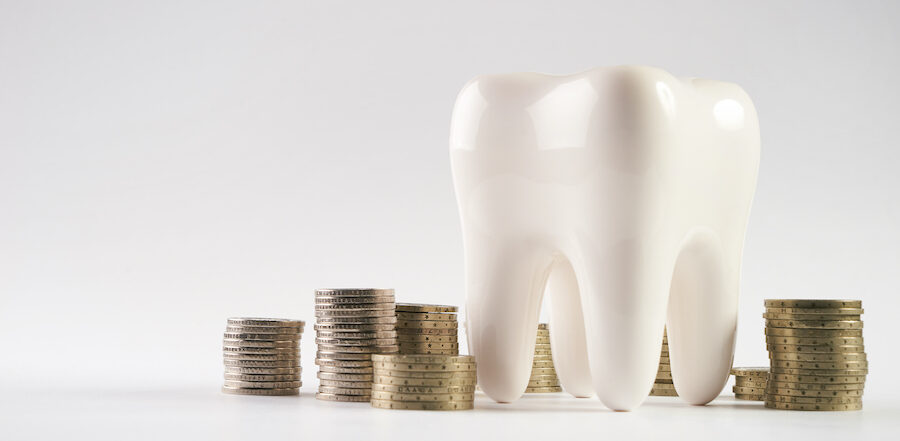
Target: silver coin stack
x=351, y=325
x=262, y=356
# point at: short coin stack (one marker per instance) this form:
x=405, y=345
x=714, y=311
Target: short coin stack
x=351, y=325
x=424, y=382
x=427, y=329
x=663, y=386
x=262, y=356
x=750, y=383
x=816, y=354
x=543, y=373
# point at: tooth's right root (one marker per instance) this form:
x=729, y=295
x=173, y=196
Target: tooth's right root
x=543, y=373
x=663, y=386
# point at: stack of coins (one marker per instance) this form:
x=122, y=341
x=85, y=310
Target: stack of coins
x=351, y=325
x=427, y=329
x=424, y=382
x=262, y=356
x=543, y=373
x=816, y=354
x=663, y=386
x=750, y=383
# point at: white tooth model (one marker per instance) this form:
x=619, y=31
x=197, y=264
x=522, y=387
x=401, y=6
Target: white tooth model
x=624, y=192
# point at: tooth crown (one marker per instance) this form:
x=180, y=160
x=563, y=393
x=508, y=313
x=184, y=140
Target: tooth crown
x=634, y=184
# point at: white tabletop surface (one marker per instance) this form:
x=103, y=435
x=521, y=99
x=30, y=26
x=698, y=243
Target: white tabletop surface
x=204, y=413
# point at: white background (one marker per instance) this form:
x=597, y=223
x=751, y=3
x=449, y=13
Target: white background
x=165, y=165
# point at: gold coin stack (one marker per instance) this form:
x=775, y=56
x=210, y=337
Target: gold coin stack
x=262, y=356
x=351, y=325
x=750, y=383
x=663, y=386
x=423, y=382
x=543, y=373
x=427, y=329
x=816, y=354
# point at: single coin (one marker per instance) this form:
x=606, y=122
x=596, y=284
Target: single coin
x=835, y=357
x=428, y=359
x=542, y=352
x=664, y=368
x=427, y=338
x=659, y=381
x=749, y=390
x=421, y=307
x=664, y=375
x=367, y=306
x=664, y=386
x=281, y=333
x=359, y=349
x=429, y=351
x=353, y=313
x=344, y=398
x=343, y=377
x=406, y=405
x=542, y=364
x=750, y=371
x=419, y=316
x=261, y=337
x=344, y=363
x=359, y=301
x=262, y=384
x=827, y=379
x=267, y=392
x=753, y=384
x=543, y=390
x=543, y=377
x=797, y=371
x=264, y=378
x=663, y=360
x=421, y=374
x=354, y=292
x=363, y=387
x=816, y=311
x=542, y=346
x=423, y=389
x=815, y=324
x=359, y=356
x=819, y=333
x=429, y=324
x=267, y=322
x=814, y=393
x=542, y=341
x=750, y=397
x=352, y=335
x=356, y=342
x=657, y=392
x=261, y=364
x=432, y=382
x=326, y=321
x=264, y=351
x=238, y=343
x=544, y=326
x=820, y=364
x=427, y=331
x=782, y=316
x=346, y=370
x=815, y=341
x=542, y=334
x=352, y=327
x=543, y=383
x=813, y=407
x=543, y=371
x=812, y=400
x=398, y=396
x=812, y=303
x=815, y=349
x=815, y=386
x=350, y=392
x=429, y=345
x=424, y=367
x=262, y=371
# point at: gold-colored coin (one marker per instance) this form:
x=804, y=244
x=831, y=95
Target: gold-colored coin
x=759, y=385
x=234, y=384
x=813, y=407
x=542, y=352
x=266, y=392
x=429, y=351
x=408, y=345
x=422, y=374
x=815, y=324
x=357, y=342
x=406, y=405
x=815, y=341
x=353, y=313
x=820, y=364
x=423, y=389
x=543, y=383
x=322, y=362
x=354, y=327
x=237, y=343
x=749, y=397
x=375, y=335
x=266, y=322
x=664, y=368
x=659, y=381
x=427, y=331
x=544, y=326
x=657, y=392
x=815, y=349
x=543, y=334
x=354, y=387
x=543, y=371
x=819, y=311
x=543, y=390
x=427, y=338
x=836, y=357
x=432, y=382
x=243, y=336
x=343, y=355
x=663, y=360
x=664, y=375
x=815, y=386
x=419, y=316
x=750, y=371
x=812, y=303
x=814, y=400
x=421, y=307
x=543, y=377
x=262, y=364
x=278, y=333
x=424, y=367
x=782, y=316
x=819, y=333
x=542, y=364
x=542, y=341
x=325, y=321
x=263, y=370
x=827, y=379
x=354, y=306
x=343, y=377
x=359, y=349
x=346, y=370
x=427, y=324
x=259, y=377
x=263, y=351
x=664, y=386
x=797, y=371
x=815, y=393
x=542, y=357
x=344, y=398
x=398, y=396
x=427, y=359
x=354, y=292
x=748, y=390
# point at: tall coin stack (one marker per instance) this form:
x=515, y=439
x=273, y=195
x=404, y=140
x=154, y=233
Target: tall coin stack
x=750, y=383
x=351, y=325
x=424, y=382
x=663, y=386
x=427, y=329
x=262, y=356
x=543, y=373
x=816, y=354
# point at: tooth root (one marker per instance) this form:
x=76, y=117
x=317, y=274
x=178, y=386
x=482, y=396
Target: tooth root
x=505, y=285
x=702, y=317
x=567, y=331
x=624, y=299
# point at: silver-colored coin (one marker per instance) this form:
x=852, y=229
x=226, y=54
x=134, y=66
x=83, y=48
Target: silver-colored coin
x=356, y=335
x=266, y=392
x=343, y=377
x=354, y=313
x=289, y=356
x=352, y=327
x=262, y=384
x=346, y=370
x=337, y=300
x=355, y=306
x=263, y=371
x=356, y=320
x=344, y=363
x=267, y=322
x=262, y=364
x=237, y=343
x=344, y=398
x=261, y=337
x=264, y=378
x=366, y=386
x=359, y=349
x=354, y=292
x=344, y=356
x=264, y=351
x=357, y=342
x=345, y=391
x=264, y=330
